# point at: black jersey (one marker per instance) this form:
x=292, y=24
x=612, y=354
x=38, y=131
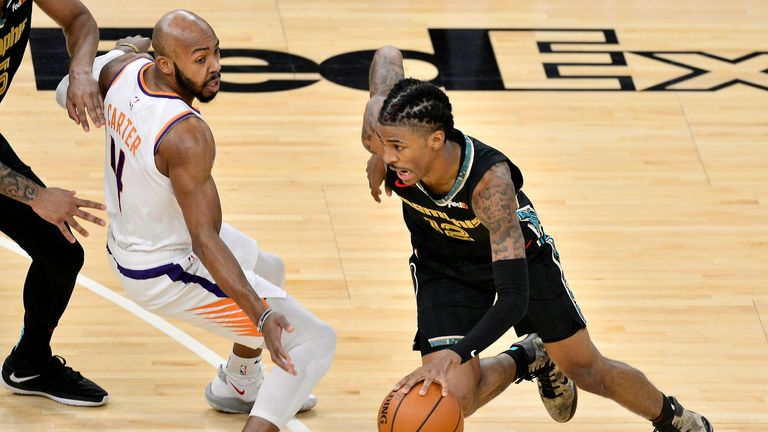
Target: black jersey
x=14, y=34
x=446, y=228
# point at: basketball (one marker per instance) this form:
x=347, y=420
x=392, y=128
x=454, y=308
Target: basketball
x=432, y=412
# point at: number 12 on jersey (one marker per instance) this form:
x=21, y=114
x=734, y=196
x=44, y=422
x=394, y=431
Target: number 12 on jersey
x=117, y=168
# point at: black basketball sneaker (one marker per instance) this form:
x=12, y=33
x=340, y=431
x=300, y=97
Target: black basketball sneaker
x=55, y=380
x=684, y=421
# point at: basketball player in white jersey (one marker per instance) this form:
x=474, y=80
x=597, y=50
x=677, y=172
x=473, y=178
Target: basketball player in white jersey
x=167, y=242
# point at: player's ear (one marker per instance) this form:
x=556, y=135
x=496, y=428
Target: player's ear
x=436, y=139
x=164, y=64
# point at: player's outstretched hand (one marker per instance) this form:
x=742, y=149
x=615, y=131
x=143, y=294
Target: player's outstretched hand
x=84, y=96
x=272, y=330
x=60, y=206
x=436, y=370
x=377, y=173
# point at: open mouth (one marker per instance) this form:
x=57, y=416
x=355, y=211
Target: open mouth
x=214, y=84
x=405, y=175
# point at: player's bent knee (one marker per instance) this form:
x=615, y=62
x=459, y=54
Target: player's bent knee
x=64, y=256
x=76, y=257
x=468, y=401
x=325, y=335
x=464, y=386
x=468, y=406
x=315, y=333
x=319, y=335
x=330, y=335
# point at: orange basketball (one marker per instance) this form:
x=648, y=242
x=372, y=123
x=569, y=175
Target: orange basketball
x=432, y=412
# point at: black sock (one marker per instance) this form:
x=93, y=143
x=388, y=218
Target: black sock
x=667, y=411
x=34, y=347
x=521, y=360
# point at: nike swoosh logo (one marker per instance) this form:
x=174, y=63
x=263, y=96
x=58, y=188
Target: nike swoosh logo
x=240, y=392
x=473, y=353
x=399, y=183
x=19, y=380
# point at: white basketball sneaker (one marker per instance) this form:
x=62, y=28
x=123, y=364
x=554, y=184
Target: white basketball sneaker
x=236, y=394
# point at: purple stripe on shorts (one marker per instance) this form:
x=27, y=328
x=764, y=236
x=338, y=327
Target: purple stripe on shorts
x=175, y=273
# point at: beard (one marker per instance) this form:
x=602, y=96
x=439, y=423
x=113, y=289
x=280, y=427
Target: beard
x=196, y=91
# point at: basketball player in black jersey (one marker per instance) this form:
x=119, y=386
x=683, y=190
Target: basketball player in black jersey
x=477, y=238
x=38, y=218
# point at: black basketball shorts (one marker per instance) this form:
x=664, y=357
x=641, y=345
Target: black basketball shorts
x=452, y=296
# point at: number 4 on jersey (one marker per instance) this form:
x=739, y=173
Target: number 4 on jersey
x=117, y=168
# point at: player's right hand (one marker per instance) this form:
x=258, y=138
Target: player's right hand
x=272, y=330
x=377, y=173
x=437, y=369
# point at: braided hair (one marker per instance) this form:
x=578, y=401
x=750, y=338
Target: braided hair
x=417, y=104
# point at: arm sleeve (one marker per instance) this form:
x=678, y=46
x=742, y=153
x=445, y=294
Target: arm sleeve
x=511, y=280
x=98, y=65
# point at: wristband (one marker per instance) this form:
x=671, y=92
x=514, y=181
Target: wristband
x=131, y=46
x=263, y=319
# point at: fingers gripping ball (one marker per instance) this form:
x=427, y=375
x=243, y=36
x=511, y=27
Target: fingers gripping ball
x=432, y=412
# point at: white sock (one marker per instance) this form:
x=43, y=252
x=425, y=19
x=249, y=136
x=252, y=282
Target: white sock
x=241, y=366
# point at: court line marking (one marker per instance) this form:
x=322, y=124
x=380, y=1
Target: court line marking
x=164, y=326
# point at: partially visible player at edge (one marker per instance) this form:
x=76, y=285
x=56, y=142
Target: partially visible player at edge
x=39, y=218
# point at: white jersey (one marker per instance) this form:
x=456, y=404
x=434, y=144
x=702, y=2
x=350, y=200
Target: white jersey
x=146, y=223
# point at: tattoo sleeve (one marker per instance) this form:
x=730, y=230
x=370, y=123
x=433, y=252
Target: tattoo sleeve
x=386, y=70
x=16, y=186
x=495, y=204
x=369, y=119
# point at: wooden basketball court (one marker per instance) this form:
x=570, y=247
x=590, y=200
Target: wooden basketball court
x=640, y=128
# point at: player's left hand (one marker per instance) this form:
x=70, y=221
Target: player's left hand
x=377, y=173
x=83, y=96
x=272, y=331
x=436, y=370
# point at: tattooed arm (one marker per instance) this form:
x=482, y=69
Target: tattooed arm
x=495, y=204
x=57, y=206
x=386, y=70
x=16, y=186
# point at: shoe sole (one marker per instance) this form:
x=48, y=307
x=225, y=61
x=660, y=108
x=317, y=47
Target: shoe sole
x=61, y=400
x=237, y=406
x=573, y=406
